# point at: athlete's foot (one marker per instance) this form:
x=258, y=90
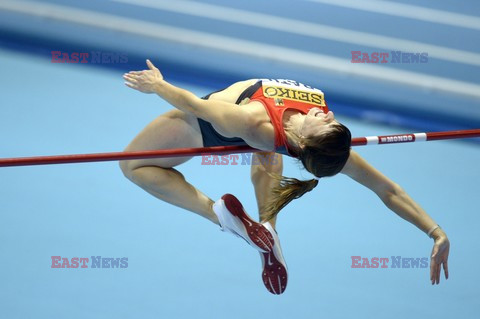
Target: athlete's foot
x=274, y=274
x=234, y=219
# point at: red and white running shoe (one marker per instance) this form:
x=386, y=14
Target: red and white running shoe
x=235, y=220
x=275, y=273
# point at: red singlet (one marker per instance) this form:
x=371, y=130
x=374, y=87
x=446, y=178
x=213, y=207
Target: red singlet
x=280, y=95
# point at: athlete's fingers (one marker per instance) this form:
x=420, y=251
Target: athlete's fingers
x=151, y=66
x=439, y=269
x=432, y=270
x=130, y=85
x=445, y=268
x=130, y=78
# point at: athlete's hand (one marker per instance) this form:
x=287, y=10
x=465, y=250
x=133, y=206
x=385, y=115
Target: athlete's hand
x=144, y=81
x=439, y=257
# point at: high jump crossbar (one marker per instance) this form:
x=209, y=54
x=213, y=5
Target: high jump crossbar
x=222, y=150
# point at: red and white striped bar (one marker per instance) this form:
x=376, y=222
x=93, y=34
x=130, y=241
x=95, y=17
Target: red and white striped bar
x=390, y=139
x=415, y=137
x=221, y=150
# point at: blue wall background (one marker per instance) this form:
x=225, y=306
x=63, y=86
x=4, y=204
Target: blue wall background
x=213, y=43
x=180, y=266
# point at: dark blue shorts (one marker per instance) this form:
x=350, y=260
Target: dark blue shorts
x=211, y=137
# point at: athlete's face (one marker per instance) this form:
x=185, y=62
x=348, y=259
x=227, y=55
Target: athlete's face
x=315, y=122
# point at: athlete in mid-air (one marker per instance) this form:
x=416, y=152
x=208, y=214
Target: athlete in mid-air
x=277, y=117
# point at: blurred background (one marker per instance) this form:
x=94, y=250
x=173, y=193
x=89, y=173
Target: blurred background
x=62, y=92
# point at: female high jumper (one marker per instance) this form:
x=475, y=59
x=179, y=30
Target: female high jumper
x=277, y=117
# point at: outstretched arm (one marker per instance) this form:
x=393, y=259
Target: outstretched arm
x=262, y=164
x=228, y=120
x=404, y=206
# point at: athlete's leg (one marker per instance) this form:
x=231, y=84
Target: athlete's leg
x=274, y=268
x=174, y=129
x=264, y=163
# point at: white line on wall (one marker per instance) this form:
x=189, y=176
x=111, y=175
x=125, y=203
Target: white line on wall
x=195, y=39
x=409, y=11
x=315, y=30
